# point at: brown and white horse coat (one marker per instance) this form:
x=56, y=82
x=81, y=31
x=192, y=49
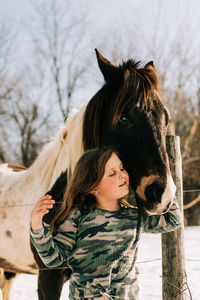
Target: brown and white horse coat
x=20, y=190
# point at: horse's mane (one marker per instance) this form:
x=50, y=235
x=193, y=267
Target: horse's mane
x=61, y=153
x=137, y=87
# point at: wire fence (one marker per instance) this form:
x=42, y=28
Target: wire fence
x=160, y=259
x=59, y=202
x=180, y=291
x=137, y=262
x=184, y=290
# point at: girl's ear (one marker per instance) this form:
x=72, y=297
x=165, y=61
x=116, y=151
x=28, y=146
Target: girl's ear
x=94, y=192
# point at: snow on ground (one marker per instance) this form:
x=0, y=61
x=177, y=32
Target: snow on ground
x=150, y=282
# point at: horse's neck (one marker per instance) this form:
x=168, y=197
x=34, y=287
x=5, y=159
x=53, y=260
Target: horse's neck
x=59, y=155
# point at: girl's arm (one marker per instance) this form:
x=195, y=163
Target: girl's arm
x=163, y=223
x=54, y=248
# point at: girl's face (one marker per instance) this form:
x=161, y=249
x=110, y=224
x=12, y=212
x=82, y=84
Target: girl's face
x=115, y=182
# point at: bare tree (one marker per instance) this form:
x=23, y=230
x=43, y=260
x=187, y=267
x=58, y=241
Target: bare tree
x=7, y=43
x=32, y=98
x=191, y=164
x=60, y=46
x=8, y=40
x=23, y=120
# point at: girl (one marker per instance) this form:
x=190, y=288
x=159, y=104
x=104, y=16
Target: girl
x=95, y=234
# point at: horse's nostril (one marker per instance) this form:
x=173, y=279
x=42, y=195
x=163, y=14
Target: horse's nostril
x=154, y=193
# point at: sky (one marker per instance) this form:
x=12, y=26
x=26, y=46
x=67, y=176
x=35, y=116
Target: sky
x=20, y=10
x=108, y=17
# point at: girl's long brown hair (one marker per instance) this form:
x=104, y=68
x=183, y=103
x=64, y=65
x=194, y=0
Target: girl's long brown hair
x=87, y=175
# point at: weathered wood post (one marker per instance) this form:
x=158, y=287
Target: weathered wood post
x=173, y=263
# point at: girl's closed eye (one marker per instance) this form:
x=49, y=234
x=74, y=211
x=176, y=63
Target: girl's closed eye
x=112, y=174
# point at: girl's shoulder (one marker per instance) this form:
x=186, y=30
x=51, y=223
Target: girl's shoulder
x=77, y=216
x=74, y=212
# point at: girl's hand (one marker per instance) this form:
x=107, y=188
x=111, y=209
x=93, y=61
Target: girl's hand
x=41, y=208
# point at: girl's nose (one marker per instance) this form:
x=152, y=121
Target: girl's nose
x=121, y=174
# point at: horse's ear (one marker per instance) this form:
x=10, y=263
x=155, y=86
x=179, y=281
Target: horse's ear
x=149, y=65
x=110, y=72
x=152, y=73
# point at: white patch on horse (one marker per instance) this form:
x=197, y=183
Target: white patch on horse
x=169, y=192
x=167, y=196
x=144, y=182
x=20, y=190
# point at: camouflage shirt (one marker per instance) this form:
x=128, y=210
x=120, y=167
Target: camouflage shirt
x=100, y=248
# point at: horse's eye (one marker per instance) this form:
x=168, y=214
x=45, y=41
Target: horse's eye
x=124, y=119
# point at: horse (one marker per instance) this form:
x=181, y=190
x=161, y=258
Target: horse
x=127, y=113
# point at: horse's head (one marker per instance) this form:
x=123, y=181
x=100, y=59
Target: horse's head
x=128, y=113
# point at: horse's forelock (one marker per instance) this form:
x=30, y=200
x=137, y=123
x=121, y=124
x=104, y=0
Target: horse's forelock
x=139, y=87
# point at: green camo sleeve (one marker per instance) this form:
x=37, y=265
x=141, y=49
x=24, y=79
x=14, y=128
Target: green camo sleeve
x=54, y=248
x=163, y=223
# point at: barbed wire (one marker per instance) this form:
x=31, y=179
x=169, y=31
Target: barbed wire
x=59, y=202
x=180, y=290
x=137, y=262
x=159, y=259
x=190, y=191
x=21, y=205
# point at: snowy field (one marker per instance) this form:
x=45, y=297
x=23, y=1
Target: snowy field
x=24, y=287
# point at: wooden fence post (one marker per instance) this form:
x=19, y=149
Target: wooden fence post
x=173, y=263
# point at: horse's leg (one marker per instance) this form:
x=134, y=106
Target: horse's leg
x=50, y=283
x=6, y=279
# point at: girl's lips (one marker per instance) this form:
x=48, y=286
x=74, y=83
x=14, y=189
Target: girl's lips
x=123, y=184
